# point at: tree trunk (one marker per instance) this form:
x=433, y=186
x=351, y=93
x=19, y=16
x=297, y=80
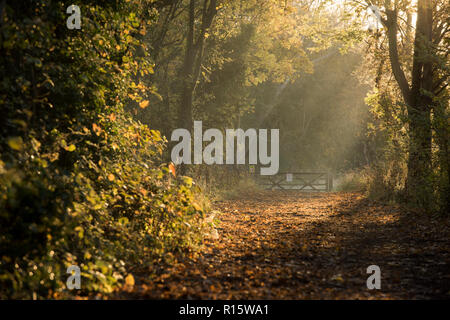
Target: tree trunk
x=193, y=60
x=185, y=110
x=419, y=181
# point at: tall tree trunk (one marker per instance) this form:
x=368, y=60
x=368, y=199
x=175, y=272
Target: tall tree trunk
x=440, y=116
x=193, y=59
x=185, y=110
x=419, y=180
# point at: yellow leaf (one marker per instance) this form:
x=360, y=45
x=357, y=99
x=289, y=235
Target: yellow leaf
x=71, y=148
x=96, y=129
x=15, y=143
x=53, y=157
x=129, y=280
x=144, y=104
x=36, y=144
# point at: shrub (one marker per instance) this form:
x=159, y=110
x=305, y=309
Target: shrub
x=351, y=181
x=82, y=182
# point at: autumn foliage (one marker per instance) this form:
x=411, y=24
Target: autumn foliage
x=81, y=182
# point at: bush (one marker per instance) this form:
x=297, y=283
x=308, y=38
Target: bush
x=351, y=181
x=382, y=182
x=81, y=182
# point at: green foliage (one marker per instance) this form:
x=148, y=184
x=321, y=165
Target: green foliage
x=387, y=132
x=81, y=182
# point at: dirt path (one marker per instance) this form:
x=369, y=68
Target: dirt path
x=290, y=245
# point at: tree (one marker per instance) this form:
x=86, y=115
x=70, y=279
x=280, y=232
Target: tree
x=193, y=58
x=421, y=86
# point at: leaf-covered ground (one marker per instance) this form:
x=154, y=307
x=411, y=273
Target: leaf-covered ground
x=290, y=245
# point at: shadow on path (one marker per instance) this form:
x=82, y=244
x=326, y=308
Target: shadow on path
x=291, y=245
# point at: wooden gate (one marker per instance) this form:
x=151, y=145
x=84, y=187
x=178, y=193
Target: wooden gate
x=302, y=180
